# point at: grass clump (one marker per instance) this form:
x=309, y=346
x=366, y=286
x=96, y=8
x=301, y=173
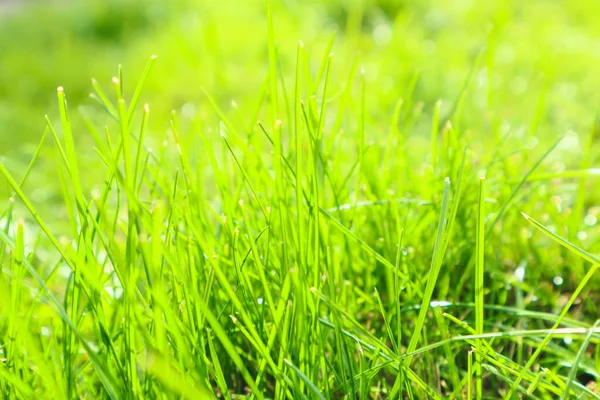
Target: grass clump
x=295, y=248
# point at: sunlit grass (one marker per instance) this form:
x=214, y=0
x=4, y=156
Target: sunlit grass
x=315, y=238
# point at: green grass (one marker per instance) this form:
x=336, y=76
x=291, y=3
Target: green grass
x=288, y=203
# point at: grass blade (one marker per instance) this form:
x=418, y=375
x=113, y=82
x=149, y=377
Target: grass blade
x=590, y=273
x=578, y=358
x=305, y=379
x=338, y=225
x=436, y=265
x=479, y=285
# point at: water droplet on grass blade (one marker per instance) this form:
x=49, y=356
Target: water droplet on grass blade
x=520, y=272
x=558, y=280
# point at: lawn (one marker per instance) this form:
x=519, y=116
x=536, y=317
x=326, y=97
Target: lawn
x=360, y=199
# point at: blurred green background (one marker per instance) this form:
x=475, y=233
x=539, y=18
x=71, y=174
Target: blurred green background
x=532, y=61
x=222, y=46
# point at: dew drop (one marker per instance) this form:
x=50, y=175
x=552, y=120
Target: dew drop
x=520, y=272
x=534, y=298
x=558, y=280
x=590, y=220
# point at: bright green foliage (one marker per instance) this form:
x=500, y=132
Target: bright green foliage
x=262, y=217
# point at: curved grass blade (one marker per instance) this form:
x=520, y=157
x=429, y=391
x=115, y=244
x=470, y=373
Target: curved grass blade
x=436, y=265
x=362, y=244
x=500, y=213
x=583, y=254
x=311, y=386
x=105, y=377
x=580, y=354
x=138, y=89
